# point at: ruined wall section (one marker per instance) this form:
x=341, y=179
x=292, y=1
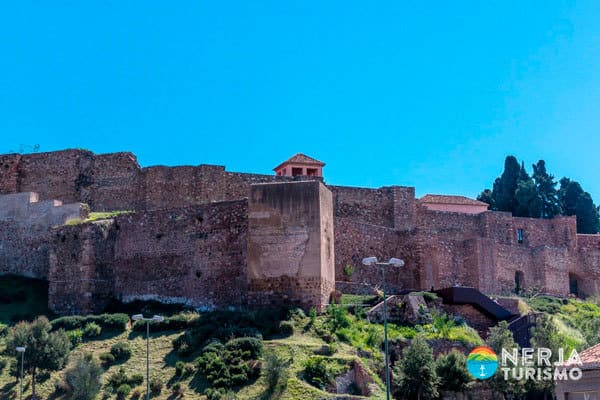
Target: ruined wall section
x=191, y=255
x=25, y=238
x=115, y=181
x=290, y=245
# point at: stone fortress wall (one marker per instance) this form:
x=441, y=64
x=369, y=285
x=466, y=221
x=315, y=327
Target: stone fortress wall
x=214, y=238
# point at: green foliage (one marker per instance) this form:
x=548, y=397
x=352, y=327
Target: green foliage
x=229, y=365
x=107, y=358
x=536, y=196
x=286, y=328
x=120, y=377
x=109, y=322
x=84, y=378
x=587, y=214
x=451, y=369
x=75, y=337
x=547, y=304
x=415, y=374
x=338, y=317
x=91, y=330
x=46, y=350
x=219, y=394
x=500, y=337
x=349, y=270
x=123, y=391
x=121, y=351
x=321, y=371
x=275, y=371
x=179, y=366
x=247, y=344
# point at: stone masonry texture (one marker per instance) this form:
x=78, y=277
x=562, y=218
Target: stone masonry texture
x=211, y=238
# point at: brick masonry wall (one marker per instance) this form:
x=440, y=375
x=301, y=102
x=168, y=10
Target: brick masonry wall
x=193, y=255
x=440, y=248
x=116, y=181
x=355, y=241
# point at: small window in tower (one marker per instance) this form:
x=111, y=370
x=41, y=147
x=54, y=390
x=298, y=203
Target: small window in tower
x=296, y=171
x=520, y=235
x=311, y=171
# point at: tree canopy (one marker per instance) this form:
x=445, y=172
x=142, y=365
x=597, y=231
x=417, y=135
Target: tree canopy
x=45, y=350
x=537, y=196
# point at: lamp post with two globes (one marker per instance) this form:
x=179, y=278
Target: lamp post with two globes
x=396, y=262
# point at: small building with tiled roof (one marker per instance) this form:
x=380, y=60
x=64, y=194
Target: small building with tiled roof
x=460, y=204
x=300, y=165
x=588, y=387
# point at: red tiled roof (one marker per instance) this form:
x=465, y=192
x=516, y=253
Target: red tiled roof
x=459, y=200
x=301, y=159
x=591, y=355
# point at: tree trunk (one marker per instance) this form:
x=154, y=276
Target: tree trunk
x=33, y=384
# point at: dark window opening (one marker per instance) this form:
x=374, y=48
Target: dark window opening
x=520, y=235
x=573, y=285
x=296, y=171
x=519, y=279
x=311, y=171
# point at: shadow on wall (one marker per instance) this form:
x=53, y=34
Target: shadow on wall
x=22, y=299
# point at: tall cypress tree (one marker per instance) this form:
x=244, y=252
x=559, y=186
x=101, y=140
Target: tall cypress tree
x=587, y=214
x=506, y=186
x=568, y=195
x=546, y=187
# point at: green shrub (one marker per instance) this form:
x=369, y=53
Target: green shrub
x=75, y=336
x=68, y=323
x=349, y=269
x=113, y=321
x=156, y=385
x=107, y=358
x=286, y=328
x=84, y=379
x=135, y=379
x=117, y=378
x=123, y=391
x=179, y=366
x=121, y=351
x=275, y=371
x=189, y=370
x=252, y=345
x=316, y=372
x=3, y=329
x=3, y=364
x=91, y=329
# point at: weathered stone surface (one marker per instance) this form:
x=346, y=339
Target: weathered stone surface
x=290, y=246
x=439, y=248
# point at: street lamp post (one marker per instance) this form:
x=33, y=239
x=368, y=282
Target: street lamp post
x=396, y=262
x=156, y=318
x=21, y=350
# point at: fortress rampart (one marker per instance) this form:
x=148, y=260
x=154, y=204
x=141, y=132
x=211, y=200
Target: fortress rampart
x=214, y=239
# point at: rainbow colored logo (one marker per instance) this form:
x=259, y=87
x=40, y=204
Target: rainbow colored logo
x=482, y=362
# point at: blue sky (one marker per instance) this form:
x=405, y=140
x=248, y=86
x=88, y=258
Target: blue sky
x=426, y=94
